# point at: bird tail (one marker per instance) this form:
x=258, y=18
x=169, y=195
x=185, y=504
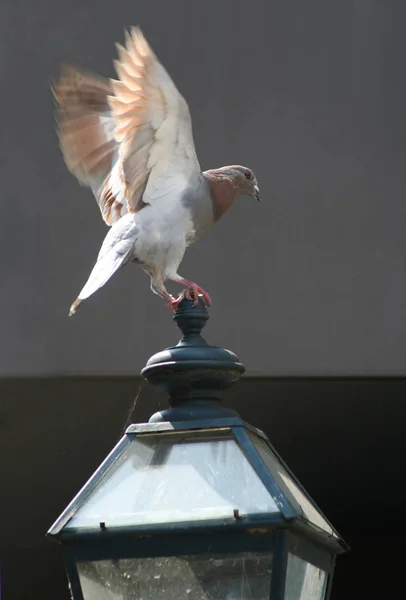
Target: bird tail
x=115, y=252
x=101, y=273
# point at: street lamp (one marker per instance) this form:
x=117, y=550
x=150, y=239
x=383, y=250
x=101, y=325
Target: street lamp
x=196, y=504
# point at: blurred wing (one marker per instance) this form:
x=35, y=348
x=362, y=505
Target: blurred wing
x=86, y=135
x=157, y=157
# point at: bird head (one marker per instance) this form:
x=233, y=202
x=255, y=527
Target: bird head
x=243, y=180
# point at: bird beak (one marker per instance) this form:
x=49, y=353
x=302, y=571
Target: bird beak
x=256, y=193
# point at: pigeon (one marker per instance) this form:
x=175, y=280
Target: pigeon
x=130, y=141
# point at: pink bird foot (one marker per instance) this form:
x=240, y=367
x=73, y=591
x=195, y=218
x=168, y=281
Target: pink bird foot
x=173, y=303
x=193, y=290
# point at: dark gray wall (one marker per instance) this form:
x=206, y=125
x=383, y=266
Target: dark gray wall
x=311, y=95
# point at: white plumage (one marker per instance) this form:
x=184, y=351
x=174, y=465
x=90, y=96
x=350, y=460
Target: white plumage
x=130, y=140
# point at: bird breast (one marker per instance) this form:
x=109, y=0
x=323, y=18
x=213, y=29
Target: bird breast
x=164, y=230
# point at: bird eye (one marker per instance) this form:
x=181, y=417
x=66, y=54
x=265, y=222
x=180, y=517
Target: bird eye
x=248, y=174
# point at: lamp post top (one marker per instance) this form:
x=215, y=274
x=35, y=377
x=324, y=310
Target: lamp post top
x=202, y=484
x=193, y=372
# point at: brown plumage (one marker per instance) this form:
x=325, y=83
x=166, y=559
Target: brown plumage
x=87, y=142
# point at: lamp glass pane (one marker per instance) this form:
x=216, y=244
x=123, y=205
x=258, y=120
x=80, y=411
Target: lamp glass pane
x=288, y=485
x=180, y=477
x=304, y=581
x=215, y=577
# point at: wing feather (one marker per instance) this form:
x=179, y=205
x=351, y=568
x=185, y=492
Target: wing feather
x=129, y=139
x=86, y=136
x=152, y=125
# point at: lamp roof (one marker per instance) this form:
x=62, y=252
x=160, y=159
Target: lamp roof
x=187, y=475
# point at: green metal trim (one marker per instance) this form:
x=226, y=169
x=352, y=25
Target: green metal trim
x=255, y=460
x=267, y=521
x=88, y=488
x=279, y=567
x=183, y=544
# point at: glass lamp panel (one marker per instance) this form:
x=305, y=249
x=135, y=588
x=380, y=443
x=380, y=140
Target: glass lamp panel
x=288, y=486
x=169, y=478
x=215, y=577
x=304, y=581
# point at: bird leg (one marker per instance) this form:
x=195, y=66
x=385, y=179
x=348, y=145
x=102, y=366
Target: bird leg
x=193, y=290
x=172, y=302
x=161, y=291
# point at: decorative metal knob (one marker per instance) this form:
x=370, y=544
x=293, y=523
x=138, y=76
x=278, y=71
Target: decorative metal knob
x=193, y=372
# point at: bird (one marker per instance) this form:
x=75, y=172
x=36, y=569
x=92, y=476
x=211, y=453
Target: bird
x=130, y=141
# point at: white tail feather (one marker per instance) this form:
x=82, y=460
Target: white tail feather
x=116, y=250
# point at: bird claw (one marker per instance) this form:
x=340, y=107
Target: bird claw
x=186, y=293
x=173, y=303
x=193, y=292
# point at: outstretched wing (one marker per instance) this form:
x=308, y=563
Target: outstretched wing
x=157, y=157
x=86, y=135
x=130, y=139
